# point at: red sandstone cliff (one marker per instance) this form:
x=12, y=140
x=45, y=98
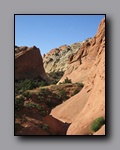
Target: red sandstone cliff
x=87, y=66
x=28, y=63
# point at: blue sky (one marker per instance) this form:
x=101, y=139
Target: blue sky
x=51, y=31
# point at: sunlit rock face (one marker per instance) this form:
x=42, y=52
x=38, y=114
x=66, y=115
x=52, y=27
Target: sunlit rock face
x=87, y=66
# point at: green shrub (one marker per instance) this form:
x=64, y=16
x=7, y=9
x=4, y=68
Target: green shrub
x=41, y=99
x=45, y=127
x=19, y=102
x=43, y=83
x=39, y=107
x=45, y=91
x=49, y=103
x=80, y=84
x=32, y=105
x=23, y=85
x=29, y=105
x=24, y=118
x=27, y=94
x=28, y=84
x=75, y=92
x=67, y=80
x=42, y=107
x=43, y=113
x=62, y=94
x=55, y=76
x=97, y=123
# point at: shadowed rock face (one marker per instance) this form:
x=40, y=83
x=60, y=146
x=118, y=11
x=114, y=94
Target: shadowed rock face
x=28, y=63
x=56, y=127
x=88, y=66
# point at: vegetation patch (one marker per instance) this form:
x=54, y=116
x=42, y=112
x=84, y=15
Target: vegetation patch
x=33, y=105
x=55, y=76
x=97, y=124
x=66, y=81
x=80, y=84
x=49, y=103
x=62, y=94
x=19, y=102
x=28, y=84
x=76, y=92
x=45, y=91
x=43, y=113
x=45, y=127
x=27, y=94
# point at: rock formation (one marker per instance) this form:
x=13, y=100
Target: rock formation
x=87, y=66
x=28, y=63
x=56, y=59
x=82, y=62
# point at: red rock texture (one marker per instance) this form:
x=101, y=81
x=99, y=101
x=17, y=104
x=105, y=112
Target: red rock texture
x=83, y=60
x=87, y=66
x=56, y=59
x=28, y=63
x=55, y=127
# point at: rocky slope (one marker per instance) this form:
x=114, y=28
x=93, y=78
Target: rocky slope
x=57, y=58
x=28, y=63
x=32, y=109
x=87, y=66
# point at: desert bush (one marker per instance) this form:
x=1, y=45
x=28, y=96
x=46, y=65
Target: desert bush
x=67, y=80
x=27, y=94
x=45, y=91
x=23, y=118
x=75, y=92
x=49, y=103
x=22, y=85
x=40, y=98
x=97, y=123
x=29, y=105
x=32, y=105
x=19, y=102
x=41, y=108
x=80, y=84
x=55, y=76
x=62, y=94
x=43, y=113
x=45, y=127
x=28, y=84
x=42, y=83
